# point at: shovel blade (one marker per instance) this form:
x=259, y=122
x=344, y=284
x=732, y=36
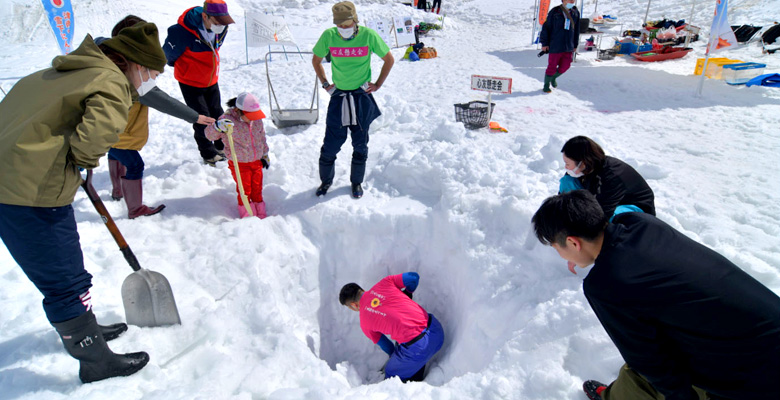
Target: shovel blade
x=148, y=300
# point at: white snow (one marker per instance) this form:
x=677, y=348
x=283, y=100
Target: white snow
x=258, y=298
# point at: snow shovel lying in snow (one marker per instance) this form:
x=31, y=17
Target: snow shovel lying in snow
x=147, y=295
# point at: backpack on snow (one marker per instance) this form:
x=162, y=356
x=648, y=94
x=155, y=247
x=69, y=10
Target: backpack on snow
x=428, y=52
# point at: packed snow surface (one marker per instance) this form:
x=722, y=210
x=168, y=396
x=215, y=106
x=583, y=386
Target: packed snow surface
x=259, y=298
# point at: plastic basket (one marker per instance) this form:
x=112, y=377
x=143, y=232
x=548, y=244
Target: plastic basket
x=607, y=54
x=474, y=114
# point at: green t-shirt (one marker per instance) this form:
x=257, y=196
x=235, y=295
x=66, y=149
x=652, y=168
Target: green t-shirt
x=350, y=60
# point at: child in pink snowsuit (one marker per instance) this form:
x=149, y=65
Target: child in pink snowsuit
x=251, y=148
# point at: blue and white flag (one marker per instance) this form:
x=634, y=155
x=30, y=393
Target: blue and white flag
x=60, y=13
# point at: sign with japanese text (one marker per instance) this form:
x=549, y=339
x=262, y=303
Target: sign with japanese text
x=60, y=13
x=491, y=84
x=264, y=29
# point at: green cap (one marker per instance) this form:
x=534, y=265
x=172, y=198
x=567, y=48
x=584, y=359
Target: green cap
x=140, y=44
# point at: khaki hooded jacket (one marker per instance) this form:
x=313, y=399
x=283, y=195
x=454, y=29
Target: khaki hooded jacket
x=59, y=119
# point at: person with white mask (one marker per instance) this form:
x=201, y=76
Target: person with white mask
x=352, y=107
x=125, y=164
x=617, y=186
x=54, y=122
x=192, y=48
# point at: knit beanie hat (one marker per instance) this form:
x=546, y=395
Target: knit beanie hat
x=343, y=12
x=248, y=104
x=140, y=44
x=218, y=9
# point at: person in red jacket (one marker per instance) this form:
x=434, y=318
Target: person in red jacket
x=192, y=49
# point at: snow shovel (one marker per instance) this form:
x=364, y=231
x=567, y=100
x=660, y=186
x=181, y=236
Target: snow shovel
x=146, y=295
x=229, y=133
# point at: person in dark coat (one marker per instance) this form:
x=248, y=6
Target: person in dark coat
x=688, y=322
x=617, y=186
x=560, y=36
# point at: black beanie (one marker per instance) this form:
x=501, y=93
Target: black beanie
x=140, y=44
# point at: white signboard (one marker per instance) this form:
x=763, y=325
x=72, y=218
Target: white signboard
x=404, y=31
x=384, y=29
x=491, y=84
x=263, y=29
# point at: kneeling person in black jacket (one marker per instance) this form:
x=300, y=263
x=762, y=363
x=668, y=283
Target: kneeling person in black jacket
x=688, y=322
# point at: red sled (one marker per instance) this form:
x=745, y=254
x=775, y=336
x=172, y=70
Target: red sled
x=666, y=53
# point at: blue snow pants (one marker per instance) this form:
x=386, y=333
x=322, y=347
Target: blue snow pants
x=45, y=243
x=131, y=159
x=406, y=361
x=351, y=111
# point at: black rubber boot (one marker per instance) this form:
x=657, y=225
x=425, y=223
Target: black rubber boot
x=84, y=341
x=323, y=189
x=357, y=191
x=113, y=331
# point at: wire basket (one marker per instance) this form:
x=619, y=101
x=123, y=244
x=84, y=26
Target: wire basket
x=607, y=54
x=474, y=114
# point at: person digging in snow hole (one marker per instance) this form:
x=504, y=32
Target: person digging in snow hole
x=388, y=309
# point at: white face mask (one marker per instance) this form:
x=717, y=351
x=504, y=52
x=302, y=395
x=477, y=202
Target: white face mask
x=147, y=86
x=569, y=5
x=575, y=174
x=346, y=33
x=217, y=28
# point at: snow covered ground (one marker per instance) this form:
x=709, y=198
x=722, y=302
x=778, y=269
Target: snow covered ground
x=258, y=298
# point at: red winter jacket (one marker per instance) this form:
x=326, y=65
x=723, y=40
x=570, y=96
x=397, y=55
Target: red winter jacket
x=195, y=60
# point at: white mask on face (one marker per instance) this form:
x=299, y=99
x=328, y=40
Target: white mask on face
x=569, y=5
x=217, y=28
x=575, y=174
x=346, y=33
x=147, y=86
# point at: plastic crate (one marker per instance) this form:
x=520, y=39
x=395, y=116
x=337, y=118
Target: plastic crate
x=628, y=48
x=474, y=114
x=740, y=74
x=714, y=66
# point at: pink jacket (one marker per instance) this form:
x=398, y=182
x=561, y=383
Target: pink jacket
x=248, y=138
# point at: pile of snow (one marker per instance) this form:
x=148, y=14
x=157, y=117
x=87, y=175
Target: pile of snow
x=258, y=298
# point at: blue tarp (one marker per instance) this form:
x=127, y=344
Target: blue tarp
x=765, y=80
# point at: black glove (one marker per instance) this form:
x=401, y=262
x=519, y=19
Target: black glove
x=265, y=162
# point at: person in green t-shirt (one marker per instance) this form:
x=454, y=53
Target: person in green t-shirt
x=352, y=106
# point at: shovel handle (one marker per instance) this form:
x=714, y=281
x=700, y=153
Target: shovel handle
x=106, y=217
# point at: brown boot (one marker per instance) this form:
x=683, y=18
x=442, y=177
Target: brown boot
x=134, y=197
x=116, y=170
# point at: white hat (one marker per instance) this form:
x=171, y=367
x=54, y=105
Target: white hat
x=248, y=103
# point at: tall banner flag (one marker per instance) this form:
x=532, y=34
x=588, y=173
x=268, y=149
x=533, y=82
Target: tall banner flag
x=60, y=13
x=544, y=6
x=264, y=29
x=721, y=34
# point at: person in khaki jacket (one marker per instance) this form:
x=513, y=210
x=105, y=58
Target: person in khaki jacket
x=52, y=123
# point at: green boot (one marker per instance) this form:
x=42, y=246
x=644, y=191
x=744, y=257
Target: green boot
x=547, y=80
x=554, y=83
